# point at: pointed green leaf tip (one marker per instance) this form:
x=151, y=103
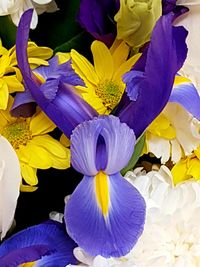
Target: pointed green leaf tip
x=136, y=154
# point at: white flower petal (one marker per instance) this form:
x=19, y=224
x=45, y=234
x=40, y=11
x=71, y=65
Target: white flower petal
x=9, y=184
x=191, y=21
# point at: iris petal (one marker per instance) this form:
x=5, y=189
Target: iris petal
x=65, y=118
x=164, y=57
x=113, y=234
x=35, y=242
x=187, y=96
x=119, y=145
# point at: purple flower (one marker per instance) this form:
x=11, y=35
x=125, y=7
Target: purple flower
x=97, y=18
x=55, y=97
x=105, y=214
x=149, y=83
x=46, y=244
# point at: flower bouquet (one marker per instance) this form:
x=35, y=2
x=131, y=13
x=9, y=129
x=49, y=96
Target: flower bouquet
x=99, y=133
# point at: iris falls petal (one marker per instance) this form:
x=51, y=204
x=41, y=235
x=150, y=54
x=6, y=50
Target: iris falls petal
x=65, y=119
x=164, y=57
x=109, y=226
x=43, y=243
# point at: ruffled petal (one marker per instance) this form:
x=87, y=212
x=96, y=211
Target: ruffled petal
x=47, y=239
x=101, y=144
x=165, y=56
x=111, y=234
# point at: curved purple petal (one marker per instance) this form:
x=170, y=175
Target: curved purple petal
x=63, y=116
x=24, y=105
x=63, y=71
x=187, y=96
x=42, y=243
x=113, y=235
x=165, y=56
x=24, y=255
x=170, y=5
x=97, y=18
x=103, y=143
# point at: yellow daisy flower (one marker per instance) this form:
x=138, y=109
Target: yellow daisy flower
x=34, y=147
x=10, y=76
x=103, y=81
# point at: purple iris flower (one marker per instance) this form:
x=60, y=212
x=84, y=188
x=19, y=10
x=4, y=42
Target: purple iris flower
x=149, y=83
x=105, y=214
x=46, y=244
x=170, y=5
x=97, y=18
x=55, y=97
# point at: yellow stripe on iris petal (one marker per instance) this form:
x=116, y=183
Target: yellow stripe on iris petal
x=102, y=191
x=28, y=264
x=180, y=79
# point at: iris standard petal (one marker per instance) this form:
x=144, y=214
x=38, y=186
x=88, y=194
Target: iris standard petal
x=103, y=143
x=37, y=241
x=97, y=17
x=50, y=96
x=107, y=227
x=187, y=96
x=165, y=56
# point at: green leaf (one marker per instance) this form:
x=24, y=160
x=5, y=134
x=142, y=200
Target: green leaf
x=7, y=31
x=56, y=28
x=77, y=43
x=136, y=154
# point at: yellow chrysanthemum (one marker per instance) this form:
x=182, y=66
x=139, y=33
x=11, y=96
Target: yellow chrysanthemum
x=10, y=76
x=187, y=168
x=34, y=147
x=103, y=81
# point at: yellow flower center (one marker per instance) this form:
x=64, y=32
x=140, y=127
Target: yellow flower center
x=17, y=133
x=110, y=93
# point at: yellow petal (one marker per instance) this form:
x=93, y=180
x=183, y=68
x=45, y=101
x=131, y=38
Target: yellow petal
x=5, y=116
x=63, y=57
x=126, y=66
x=61, y=164
x=27, y=188
x=194, y=169
x=64, y=140
x=29, y=174
x=50, y=144
x=179, y=172
x=83, y=68
x=180, y=79
x=197, y=152
x=35, y=156
x=120, y=55
x=4, y=94
x=93, y=100
x=103, y=61
x=41, y=124
x=14, y=85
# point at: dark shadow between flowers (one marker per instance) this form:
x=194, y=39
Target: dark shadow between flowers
x=54, y=185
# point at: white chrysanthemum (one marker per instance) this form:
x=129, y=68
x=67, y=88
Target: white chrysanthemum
x=15, y=8
x=171, y=236
x=187, y=130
